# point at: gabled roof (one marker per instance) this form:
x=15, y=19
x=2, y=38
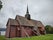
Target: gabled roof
x=23, y=21
x=39, y=24
x=19, y=20
x=26, y=22
x=12, y=22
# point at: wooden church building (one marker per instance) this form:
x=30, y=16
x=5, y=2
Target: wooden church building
x=24, y=27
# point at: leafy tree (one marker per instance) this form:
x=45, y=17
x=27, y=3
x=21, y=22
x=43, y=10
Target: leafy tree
x=0, y=4
x=49, y=29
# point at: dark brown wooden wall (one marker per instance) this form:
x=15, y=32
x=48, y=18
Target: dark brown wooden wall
x=12, y=31
x=15, y=31
x=18, y=31
x=7, y=31
x=27, y=30
x=41, y=30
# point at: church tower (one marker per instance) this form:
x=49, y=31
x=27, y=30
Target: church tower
x=27, y=14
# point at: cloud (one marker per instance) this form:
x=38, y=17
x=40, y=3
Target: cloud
x=41, y=10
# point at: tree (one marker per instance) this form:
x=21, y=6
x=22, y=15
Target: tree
x=49, y=29
x=0, y=4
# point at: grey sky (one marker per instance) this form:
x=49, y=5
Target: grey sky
x=41, y=10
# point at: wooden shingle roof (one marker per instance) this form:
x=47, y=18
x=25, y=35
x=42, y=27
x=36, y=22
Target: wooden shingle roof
x=26, y=22
x=23, y=21
x=12, y=22
x=39, y=24
x=19, y=20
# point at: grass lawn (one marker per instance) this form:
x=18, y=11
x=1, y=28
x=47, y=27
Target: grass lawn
x=42, y=37
x=2, y=37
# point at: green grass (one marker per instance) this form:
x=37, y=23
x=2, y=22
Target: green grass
x=2, y=38
x=42, y=37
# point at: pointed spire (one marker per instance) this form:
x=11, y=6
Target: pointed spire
x=27, y=9
x=27, y=15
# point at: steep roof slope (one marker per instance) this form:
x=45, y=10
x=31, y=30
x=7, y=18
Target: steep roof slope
x=12, y=22
x=37, y=23
x=19, y=20
x=26, y=22
x=23, y=21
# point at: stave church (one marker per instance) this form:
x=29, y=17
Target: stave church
x=24, y=26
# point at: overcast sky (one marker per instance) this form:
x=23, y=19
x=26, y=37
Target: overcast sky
x=41, y=10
